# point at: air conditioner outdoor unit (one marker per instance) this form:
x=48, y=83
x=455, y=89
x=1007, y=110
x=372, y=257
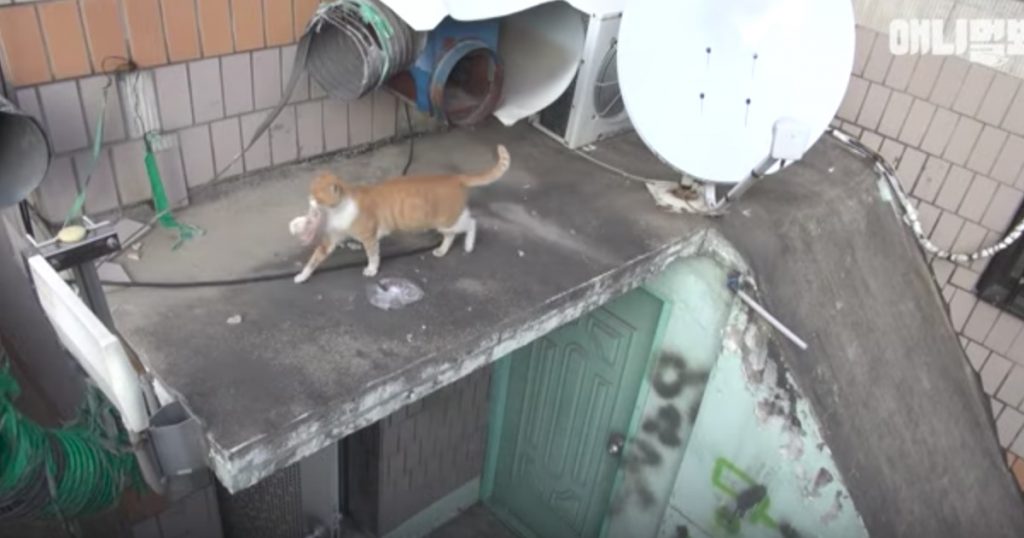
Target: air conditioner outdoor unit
x=591, y=108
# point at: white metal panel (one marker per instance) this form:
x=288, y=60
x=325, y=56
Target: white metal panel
x=99, y=352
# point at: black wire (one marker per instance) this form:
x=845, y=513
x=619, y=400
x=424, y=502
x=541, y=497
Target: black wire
x=260, y=278
x=412, y=141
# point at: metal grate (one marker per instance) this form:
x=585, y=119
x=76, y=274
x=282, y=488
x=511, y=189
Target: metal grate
x=1002, y=283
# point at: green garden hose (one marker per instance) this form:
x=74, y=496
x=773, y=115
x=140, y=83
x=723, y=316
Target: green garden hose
x=63, y=473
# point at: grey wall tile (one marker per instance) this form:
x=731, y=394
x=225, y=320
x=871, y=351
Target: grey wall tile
x=1003, y=333
x=173, y=96
x=961, y=143
x=987, y=149
x=998, y=98
x=909, y=168
x=926, y=72
x=130, y=170
x=266, y=77
x=310, y=124
x=92, y=89
x=360, y=121
x=879, y=60
x=996, y=406
x=197, y=153
x=237, y=73
x=336, y=125
x=865, y=40
x=980, y=322
x=301, y=91
x=875, y=105
x=896, y=111
x=929, y=216
x=1016, y=351
x=916, y=124
x=955, y=186
x=856, y=90
x=258, y=156
x=1014, y=119
x=1017, y=447
x=943, y=270
x=852, y=129
x=960, y=307
x=930, y=180
x=57, y=191
x=965, y=279
x=900, y=71
x=1008, y=425
x=172, y=174
x=1011, y=158
x=872, y=140
x=940, y=130
x=946, y=230
x=227, y=143
x=999, y=215
x=973, y=90
x=892, y=151
x=951, y=78
x=283, y=140
x=207, y=93
x=65, y=123
x=385, y=109
x=28, y=101
x=976, y=355
x=977, y=199
x=101, y=192
x=971, y=238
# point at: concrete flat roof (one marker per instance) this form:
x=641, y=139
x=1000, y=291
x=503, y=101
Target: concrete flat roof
x=308, y=364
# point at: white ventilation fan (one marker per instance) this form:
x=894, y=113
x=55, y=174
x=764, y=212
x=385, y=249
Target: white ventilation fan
x=727, y=92
x=592, y=107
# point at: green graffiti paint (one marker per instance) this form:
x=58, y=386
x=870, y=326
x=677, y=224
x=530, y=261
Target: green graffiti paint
x=732, y=481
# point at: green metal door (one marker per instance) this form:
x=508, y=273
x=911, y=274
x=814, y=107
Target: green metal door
x=569, y=395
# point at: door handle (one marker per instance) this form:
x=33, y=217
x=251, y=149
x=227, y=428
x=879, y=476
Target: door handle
x=615, y=443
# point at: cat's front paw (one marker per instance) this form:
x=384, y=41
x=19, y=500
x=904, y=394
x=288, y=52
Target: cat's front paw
x=302, y=277
x=370, y=271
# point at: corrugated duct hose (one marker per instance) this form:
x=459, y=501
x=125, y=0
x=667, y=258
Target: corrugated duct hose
x=60, y=474
x=350, y=48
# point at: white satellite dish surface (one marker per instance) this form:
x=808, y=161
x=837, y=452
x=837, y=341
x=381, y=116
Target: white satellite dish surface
x=705, y=81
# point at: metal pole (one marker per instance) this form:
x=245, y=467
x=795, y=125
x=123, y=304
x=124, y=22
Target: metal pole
x=92, y=291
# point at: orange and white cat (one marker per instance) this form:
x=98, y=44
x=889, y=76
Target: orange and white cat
x=370, y=212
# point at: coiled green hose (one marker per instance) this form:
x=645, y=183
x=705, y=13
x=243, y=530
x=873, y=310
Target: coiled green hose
x=61, y=473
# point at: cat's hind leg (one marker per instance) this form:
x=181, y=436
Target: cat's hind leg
x=465, y=224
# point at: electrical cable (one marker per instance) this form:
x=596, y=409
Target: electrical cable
x=261, y=278
x=412, y=141
x=910, y=217
x=618, y=171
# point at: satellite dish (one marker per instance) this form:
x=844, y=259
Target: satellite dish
x=724, y=91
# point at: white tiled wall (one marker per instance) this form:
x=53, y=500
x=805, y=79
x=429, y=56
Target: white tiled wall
x=955, y=131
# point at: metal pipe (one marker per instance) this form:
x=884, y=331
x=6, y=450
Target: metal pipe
x=147, y=464
x=734, y=285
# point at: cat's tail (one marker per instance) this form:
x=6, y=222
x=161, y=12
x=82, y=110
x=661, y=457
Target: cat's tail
x=493, y=174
